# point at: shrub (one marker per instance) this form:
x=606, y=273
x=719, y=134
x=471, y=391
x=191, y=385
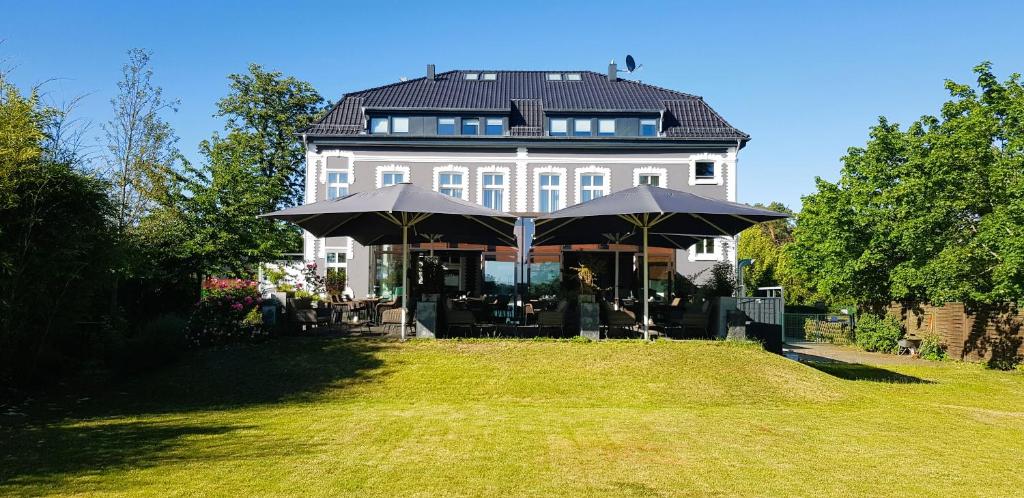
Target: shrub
x=223, y=312
x=157, y=343
x=721, y=281
x=880, y=334
x=932, y=348
x=335, y=281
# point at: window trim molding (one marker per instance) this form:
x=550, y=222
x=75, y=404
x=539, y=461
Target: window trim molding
x=718, y=255
x=389, y=168
x=662, y=174
x=506, y=187
x=720, y=165
x=592, y=170
x=549, y=169
x=452, y=168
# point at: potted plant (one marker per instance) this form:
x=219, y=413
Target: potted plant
x=590, y=316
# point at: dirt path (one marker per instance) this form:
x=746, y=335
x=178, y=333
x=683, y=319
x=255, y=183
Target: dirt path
x=819, y=351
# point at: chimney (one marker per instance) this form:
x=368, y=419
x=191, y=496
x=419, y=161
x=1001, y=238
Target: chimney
x=430, y=72
x=613, y=72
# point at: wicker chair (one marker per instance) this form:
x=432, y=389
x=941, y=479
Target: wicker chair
x=551, y=319
x=461, y=319
x=391, y=319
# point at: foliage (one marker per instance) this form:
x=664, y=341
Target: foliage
x=932, y=213
x=880, y=334
x=221, y=314
x=335, y=281
x=139, y=143
x=766, y=243
x=585, y=276
x=818, y=330
x=272, y=110
x=55, y=243
x=315, y=282
x=431, y=275
x=157, y=343
x=255, y=168
x=721, y=282
x=932, y=348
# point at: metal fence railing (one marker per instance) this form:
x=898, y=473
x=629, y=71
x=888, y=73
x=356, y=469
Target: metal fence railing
x=836, y=329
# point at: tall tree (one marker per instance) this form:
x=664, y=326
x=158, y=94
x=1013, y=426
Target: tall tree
x=140, y=143
x=934, y=212
x=273, y=109
x=766, y=243
x=54, y=240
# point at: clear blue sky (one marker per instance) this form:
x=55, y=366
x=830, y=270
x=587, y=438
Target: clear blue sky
x=806, y=80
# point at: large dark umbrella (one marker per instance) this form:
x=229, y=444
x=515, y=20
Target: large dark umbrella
x=386, y=216
x=665, y=213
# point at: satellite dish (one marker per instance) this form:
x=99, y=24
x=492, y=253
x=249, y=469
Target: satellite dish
x=631, y=64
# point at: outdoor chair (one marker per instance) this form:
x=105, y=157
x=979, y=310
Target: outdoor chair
x=551, y=319
x=461, y=319
x=695, y=315
x=618, y=319
x=391, y=319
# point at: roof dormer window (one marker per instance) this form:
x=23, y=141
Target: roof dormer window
x=490, y=76
x=472, y=76
x=573, y=77
x=554, y=76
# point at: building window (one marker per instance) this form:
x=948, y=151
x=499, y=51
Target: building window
x=471, y=126
x=554, y=76
x=606, y=127
x=652, y=180
x=337, y=184
x=490, y=76
x=550, y=187
x=648, y=127
x=472, y=76
x=706, y=249
x=493, y=191
x=558, y=127
x=493, y=187
x=399, y=125
x=581, y=128
x=445, y=126
x=495, y=126
x=573, y=77
x=704, y=170
x=378, y=125
x=336, y=258
x=390, y=178
x=452, y=180
x=591, y=182
x=591, y=186
x=451, y=184
x=649, y=175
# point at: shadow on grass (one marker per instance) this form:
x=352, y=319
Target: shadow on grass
x=292, y=368
x=858, y=371
x=38, y=454
x=74, y=434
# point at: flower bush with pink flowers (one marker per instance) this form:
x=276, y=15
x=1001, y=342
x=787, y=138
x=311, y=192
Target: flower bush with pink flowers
x=228, y=310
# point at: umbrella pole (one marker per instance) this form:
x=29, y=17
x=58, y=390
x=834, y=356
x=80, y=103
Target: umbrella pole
x=647, y=285
x=616, y=284
x=405, y=276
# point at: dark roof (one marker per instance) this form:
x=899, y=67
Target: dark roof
x=525, y=96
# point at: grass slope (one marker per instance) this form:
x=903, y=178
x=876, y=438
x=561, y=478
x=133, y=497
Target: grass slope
x=329, y=417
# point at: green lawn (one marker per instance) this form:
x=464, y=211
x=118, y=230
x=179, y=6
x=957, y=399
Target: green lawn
x=330, y=417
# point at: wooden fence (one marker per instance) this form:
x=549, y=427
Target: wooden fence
x=992, y=333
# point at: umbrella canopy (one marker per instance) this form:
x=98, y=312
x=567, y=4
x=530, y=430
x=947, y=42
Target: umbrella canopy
x=662, y=210
x=376, y=217
x=390, y=215
x=668, y=215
